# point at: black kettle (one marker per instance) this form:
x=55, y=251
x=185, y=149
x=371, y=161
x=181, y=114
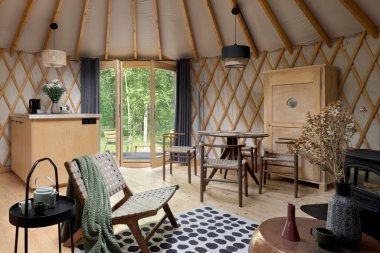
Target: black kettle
x=34, y=105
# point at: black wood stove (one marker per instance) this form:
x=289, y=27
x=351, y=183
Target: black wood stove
x=362, y=168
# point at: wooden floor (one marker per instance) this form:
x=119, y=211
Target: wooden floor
x=276, y=194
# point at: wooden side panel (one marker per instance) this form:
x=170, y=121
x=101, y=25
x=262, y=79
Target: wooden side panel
x=20, y=148
x=330, y=87
x=60, y=140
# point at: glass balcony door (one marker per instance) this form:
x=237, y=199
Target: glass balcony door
x=131, y=128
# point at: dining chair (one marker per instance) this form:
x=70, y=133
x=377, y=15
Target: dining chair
x=250, y=154
x=132, y=206
x=177, y=154
x=110, y=136
x=274, y=163
x=238, y=165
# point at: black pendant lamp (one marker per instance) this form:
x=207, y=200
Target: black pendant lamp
x=235, y=56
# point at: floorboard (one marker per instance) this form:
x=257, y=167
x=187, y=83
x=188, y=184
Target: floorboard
x=272, y=203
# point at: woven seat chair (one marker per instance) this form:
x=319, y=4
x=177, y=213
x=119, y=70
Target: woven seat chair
x=280, y=160
x=238, y=165
x=132, y=207
x=174, y=152
x=249, y=153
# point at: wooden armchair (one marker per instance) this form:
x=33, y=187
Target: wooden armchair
x=238, y=165
x=132, y=207
x=175, y=152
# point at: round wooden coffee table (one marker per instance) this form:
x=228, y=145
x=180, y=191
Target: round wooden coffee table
x=267, y=238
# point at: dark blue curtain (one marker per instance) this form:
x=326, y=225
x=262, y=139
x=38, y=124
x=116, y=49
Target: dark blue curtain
x=182, y=117
x=89, y=80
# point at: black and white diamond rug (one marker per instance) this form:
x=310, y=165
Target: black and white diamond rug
x=201, y=230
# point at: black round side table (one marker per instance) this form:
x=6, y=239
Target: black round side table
x=64, y=210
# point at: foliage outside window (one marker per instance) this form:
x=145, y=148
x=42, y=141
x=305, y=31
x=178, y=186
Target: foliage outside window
x=136, y=102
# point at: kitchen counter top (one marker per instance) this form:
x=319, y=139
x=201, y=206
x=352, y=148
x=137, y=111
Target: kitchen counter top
x=55, y=116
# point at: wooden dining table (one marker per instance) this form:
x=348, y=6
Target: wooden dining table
x=232, y=139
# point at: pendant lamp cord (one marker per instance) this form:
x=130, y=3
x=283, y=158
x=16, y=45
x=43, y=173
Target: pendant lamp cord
x=235, y=29
x=54, y=39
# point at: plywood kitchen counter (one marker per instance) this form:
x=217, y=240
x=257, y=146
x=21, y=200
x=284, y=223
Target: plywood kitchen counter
x=61, y=137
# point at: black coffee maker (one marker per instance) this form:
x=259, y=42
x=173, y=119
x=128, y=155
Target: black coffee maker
x=34, y=105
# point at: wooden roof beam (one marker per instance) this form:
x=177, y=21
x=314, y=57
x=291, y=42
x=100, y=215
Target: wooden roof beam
x=214, y=23
x=81, y=29
x=189, y=30
x=361, y=17
x=273, y=19
x=246, y=32
x=108, y=24
x=21, y=25
x=314, y=22
x=134, y=28
x=53, y=19
x=157, y=24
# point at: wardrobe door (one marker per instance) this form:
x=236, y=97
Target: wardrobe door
x=288, y=96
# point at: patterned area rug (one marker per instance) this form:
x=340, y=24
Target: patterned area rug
x=203, y=229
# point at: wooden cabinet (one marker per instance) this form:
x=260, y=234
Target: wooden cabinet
x=59, y=137
x=288, y=95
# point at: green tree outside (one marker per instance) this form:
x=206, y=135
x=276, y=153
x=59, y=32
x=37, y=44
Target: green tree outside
x=136, y=102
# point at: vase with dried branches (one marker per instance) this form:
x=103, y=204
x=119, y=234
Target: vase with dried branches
x=326, y=137
x=325, y=140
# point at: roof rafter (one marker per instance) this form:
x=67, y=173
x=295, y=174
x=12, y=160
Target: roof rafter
x=134, y=28
x=21, y=25
x=214, y=23
x=246, y=32
x=273, y=19
x=157, y=24
x=314, y=22
x=81, y=29
x=361, y=17
x=108, y=23
x=53, y=19
x=189, y=30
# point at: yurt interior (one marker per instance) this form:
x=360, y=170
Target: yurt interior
x=189, y=126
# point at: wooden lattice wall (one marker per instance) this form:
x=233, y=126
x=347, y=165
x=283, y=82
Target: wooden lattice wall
x=21, y=78
x=233, y=98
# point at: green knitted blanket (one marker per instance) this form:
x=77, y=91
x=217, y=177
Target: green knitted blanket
x=95, y=215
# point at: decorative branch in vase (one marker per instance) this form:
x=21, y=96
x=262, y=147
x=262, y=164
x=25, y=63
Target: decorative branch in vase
x=326, y=137
x=325, y=140
x=54, y=90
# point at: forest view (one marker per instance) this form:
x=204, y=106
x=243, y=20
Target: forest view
x=136, y=105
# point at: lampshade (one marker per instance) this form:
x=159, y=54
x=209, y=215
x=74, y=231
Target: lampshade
x=53, y=58
x=235, y=56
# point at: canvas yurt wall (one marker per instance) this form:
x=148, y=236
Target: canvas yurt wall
x=21, y=78
x=233, y=98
